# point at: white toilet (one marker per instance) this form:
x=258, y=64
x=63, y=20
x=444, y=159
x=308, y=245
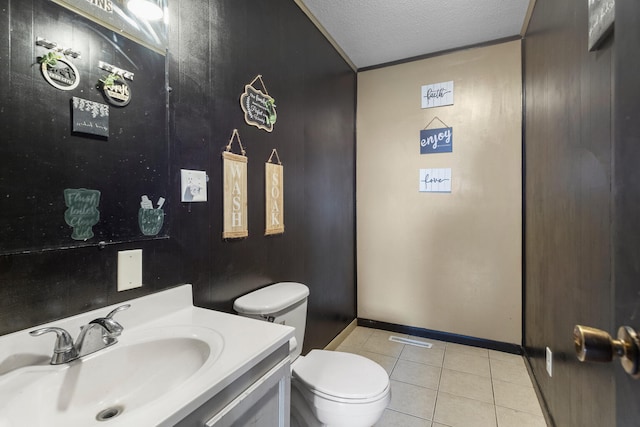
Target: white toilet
x=328, y=388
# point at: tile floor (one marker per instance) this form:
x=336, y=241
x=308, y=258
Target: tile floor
x=449, y=385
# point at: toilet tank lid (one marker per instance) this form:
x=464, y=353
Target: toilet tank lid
x=271, y=299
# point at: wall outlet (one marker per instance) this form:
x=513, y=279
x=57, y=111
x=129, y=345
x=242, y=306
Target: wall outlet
x=549, y=362
x=129, y=269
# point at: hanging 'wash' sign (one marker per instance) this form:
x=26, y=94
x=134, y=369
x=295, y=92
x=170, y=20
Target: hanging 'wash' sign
x=259, y=108
x=234, y=170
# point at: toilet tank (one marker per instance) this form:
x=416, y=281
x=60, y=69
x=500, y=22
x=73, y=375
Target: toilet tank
x=284, y=303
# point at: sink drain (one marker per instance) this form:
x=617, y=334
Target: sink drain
x=109, y=413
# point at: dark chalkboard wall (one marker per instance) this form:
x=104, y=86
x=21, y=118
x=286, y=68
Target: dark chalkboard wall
x=213, y=53
x=41, y=156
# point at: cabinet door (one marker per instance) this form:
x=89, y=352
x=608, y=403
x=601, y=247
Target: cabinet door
x=265, y=403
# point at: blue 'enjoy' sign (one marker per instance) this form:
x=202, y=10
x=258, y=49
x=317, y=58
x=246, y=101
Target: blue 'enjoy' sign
x=436, y=140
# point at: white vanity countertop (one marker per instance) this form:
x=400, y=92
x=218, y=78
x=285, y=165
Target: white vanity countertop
x=245, y=342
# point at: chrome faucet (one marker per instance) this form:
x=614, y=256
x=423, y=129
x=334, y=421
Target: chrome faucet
x=95, y=335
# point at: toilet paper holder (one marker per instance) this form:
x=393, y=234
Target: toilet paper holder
x=596, y=345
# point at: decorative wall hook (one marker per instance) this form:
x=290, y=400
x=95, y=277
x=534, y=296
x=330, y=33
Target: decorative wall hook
x=40, y=41
x=115, y=70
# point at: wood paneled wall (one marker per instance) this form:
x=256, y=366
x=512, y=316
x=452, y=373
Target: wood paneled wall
x=568, y=177
x=215, y=49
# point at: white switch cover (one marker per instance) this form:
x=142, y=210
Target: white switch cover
x=549, y=362
x=129, y=269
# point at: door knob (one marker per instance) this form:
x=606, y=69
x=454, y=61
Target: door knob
x=595, y=345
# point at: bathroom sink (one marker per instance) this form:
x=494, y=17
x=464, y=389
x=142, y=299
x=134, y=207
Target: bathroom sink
x=139, y=370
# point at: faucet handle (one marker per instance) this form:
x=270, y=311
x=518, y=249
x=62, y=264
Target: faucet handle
x=63, y=351
x=117, y=309
x=112, y=328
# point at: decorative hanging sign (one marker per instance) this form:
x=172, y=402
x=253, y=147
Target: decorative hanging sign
x=234, y=170
x=150, y=220
x=116, y=90
x=59, y=72
x=82, y=213
x=437, y=95
x=439, y=140
x=435, y=180
x=259, y=107
x=90, y=117
x=274, y=196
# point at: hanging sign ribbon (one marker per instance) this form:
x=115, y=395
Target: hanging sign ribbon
x=259, y=108
x=439, y=140
x=234, y=169
x=274, y=196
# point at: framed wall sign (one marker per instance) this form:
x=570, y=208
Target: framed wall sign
x=437, y=95
x=435, y=180
x=90, y=117
x=234, y=175
x=117, y=16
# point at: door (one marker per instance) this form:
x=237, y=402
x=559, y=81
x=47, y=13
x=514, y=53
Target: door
x=626, y=195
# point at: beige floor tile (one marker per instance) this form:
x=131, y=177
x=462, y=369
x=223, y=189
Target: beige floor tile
x=438, y=425
x=412, y=400
x=510, y=371
x=501, y=355
x=510, y=418
x=358, y=337
x=441, y=345
x=466, y=385
x=516, y=396
x=465, y=349
x=387, y=362
x=379, y=342
x=396, y=419
x=417, y=374
x=459, y=411
x=429, y=356
x=471, y=364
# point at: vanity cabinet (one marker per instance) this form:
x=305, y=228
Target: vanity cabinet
x=258, y=397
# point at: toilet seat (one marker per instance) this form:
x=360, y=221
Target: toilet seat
x=341, y=377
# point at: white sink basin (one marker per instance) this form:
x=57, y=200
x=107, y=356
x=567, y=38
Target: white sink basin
x=123, y=378
x=171, y=358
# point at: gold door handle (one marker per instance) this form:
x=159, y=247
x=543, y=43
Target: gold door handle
x=595, y=345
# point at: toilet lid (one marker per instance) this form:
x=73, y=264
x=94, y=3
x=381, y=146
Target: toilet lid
x=343, y=375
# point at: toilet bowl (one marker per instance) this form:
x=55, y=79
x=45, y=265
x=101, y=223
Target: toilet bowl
x=328, y=388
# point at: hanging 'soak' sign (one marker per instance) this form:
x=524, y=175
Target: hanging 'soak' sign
x=259, y=108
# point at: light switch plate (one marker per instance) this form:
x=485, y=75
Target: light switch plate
x=549, y=362
x=129, y=269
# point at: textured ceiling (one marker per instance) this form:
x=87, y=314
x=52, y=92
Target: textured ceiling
x=373, y=32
